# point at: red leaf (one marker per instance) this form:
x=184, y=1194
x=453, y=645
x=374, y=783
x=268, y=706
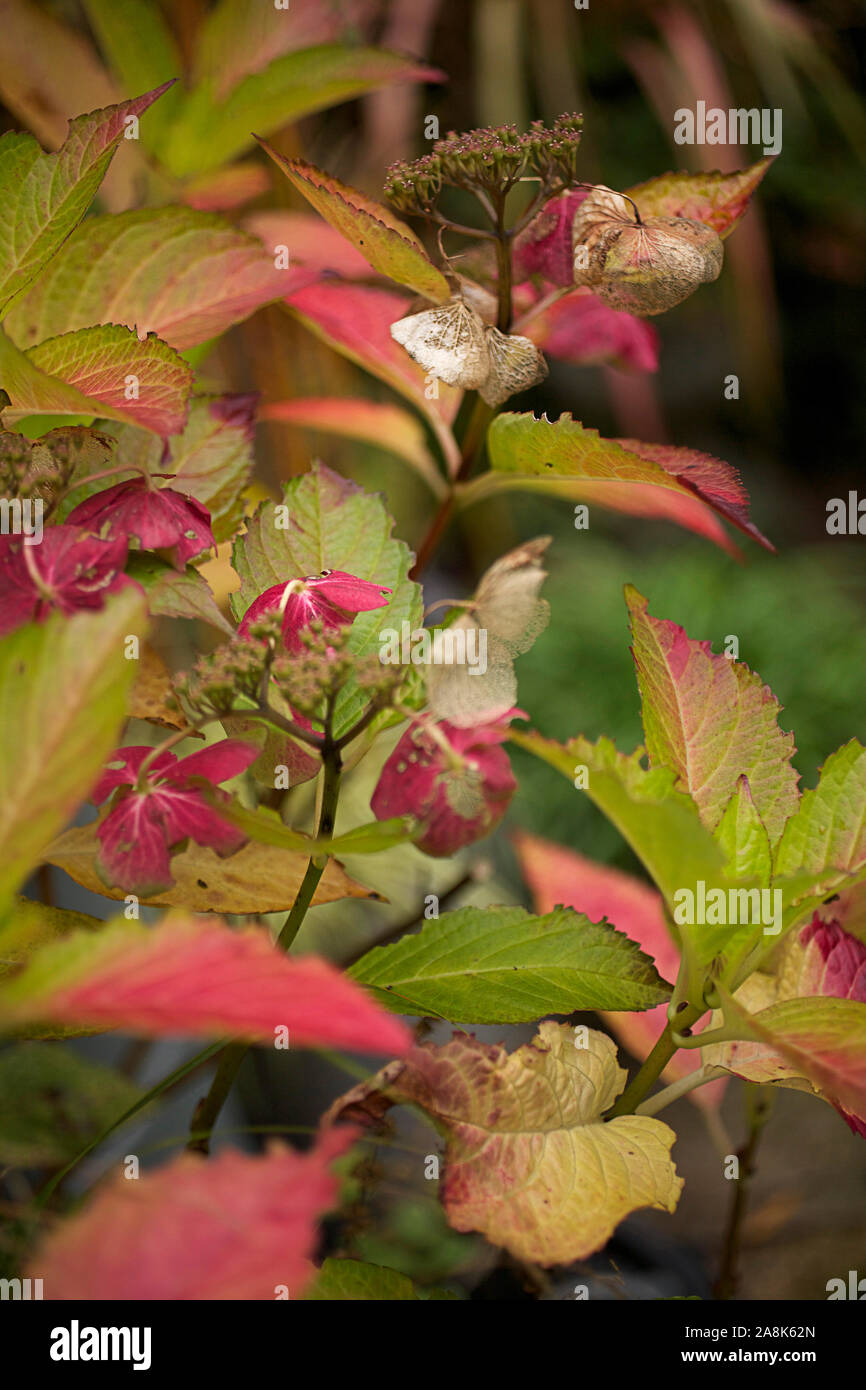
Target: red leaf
x=232, y=1227
x=159, y=517
x=582, y=330
x=195, y=977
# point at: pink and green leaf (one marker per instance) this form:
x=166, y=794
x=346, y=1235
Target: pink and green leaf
x=387, y=243
x=717, y=199
x=44, y=196
x=711, y=720
x=240, y=1226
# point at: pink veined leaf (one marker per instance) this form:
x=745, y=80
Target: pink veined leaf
x=332, y=598
x=199, y=978
x=238, y=1226
x=558, y=876
x=74, y=572
x=711, y=720
x=45, y=196
x=105, y=371
x=182, y=274
x=580, y=329
x=159, y=517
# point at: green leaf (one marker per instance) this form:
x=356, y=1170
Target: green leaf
x=267, y=828
x=681, y=485
x=176, y=594
x=341, y=1281
x=209, y=132
x=660, y=823
x=825, y=842
x=744, y=839
x=333, y=524
x=502, y=965
x=30, y=924
x=184, y=275
x=52, y=1101
x=142, y=52
x=391, y=247
x=719, y=200
x=711, y=719
x=64, y=687
x=103, y=371
x=45, y=196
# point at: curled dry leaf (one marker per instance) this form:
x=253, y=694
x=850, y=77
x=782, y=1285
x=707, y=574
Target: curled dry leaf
x=643, y=266
x=529, y=1161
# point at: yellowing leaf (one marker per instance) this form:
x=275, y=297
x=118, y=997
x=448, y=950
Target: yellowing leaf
x=529, y=1161
x=719, y=200
x=259, y=878
x=383, y=240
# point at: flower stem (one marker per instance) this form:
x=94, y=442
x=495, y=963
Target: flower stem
x=642, y=1083
x=759, y=1110
x=208, y=1110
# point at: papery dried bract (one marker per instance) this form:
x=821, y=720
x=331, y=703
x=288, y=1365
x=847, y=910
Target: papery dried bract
x=515, y=365
x=642, y=266
x=449, y=342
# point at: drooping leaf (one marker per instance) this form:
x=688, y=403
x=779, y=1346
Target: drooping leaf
x=502, y=965
x=197, y=977
x=332, y=524
x=719, y=200
x=356, y=321
x=618, y=473
x=711, y=720
x=386, y=242
x=210, y=132
x=558, y=875
x=53, y=1101
x=185, y=275
x=258, y=878
x=239, y=1226
x=529, y=1162
x=375, y=422
x=176, y=594
x=660, y=823
x=44, y=196
x=64, y=685
x=105, y=371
